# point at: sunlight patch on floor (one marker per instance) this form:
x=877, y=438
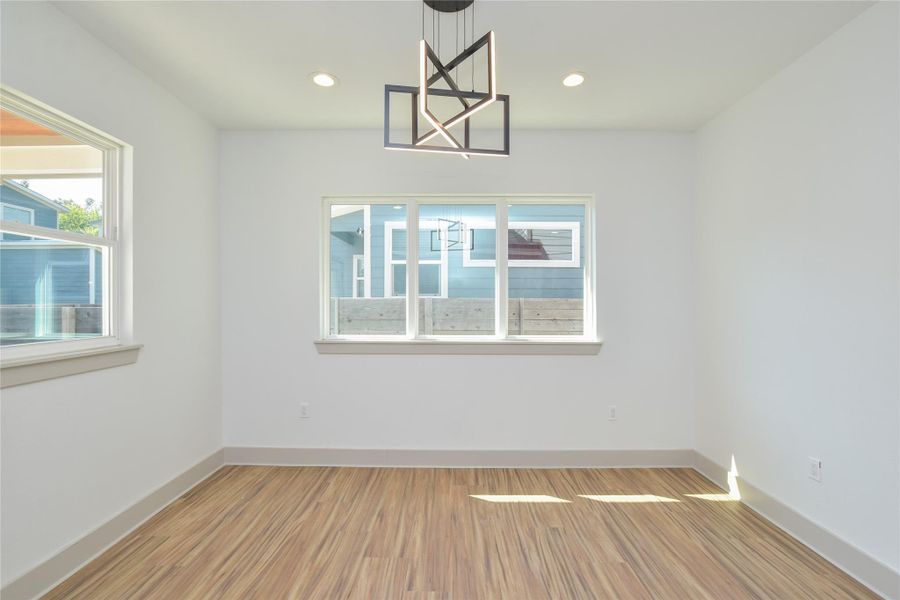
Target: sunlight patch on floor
x=517, y=498
x=628, y=498
x=714, y=497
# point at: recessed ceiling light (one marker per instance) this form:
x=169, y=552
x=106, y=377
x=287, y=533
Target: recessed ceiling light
x=324, y=79
x=573, y=79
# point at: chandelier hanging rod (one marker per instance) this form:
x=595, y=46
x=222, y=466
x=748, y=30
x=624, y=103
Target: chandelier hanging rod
x=468, y=52
x=443, y=72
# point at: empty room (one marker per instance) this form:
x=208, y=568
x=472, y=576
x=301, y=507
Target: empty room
x=449, y=300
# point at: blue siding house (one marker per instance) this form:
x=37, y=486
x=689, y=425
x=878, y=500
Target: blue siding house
x=23, y=205
x=40, y=278
x=546, y=245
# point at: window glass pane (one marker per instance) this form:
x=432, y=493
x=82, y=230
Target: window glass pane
x=540, y=244
x=484, y=244
x=81, y=200
x=429, y=280
x=399, y=283
x=50, y=291
x=398, y=243
x=546, y=299
x=467, y=306
x=355, y=231
x=58, y=178
x=430, y=243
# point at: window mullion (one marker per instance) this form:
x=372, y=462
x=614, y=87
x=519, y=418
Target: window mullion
x=501, y=283
x=107, y=291
x=412, y=269
x=325, y=270
x=109, y=192
x=367, y=253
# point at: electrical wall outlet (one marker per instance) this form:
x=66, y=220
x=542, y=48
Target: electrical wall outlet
x=612, y=412
x=815, y=469
x=304, y=410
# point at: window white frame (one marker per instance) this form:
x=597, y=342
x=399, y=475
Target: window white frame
x=367, y=252
x=589, y=340
x=574, y=262
x=116, y=175
x=390, y=261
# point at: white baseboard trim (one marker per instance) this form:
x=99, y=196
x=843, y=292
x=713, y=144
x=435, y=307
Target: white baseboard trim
x=536, y=459
x=51, y=572
x=868, y=570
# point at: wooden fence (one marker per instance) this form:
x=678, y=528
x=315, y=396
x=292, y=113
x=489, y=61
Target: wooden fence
x=18, y=320
x=457, y=316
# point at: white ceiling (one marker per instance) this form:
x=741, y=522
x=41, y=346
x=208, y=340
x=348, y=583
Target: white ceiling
x=650, y=65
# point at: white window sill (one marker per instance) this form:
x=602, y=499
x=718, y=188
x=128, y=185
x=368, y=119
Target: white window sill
x=20, y=371
x=445, y=346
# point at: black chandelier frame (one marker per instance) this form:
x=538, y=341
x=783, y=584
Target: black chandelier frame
x=441, y=71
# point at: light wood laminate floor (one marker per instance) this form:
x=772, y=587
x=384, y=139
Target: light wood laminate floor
x=331, y=533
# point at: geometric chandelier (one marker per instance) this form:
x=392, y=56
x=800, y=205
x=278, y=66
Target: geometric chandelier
x=443, y=130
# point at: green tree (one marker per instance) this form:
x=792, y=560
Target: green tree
x=80, y=219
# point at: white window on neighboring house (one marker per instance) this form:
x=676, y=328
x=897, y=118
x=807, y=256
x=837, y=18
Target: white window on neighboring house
x=16, y=214
x=359, y=275
x=60, y=258
x=433, y=255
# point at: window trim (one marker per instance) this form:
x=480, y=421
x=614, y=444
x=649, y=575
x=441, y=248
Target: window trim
x=499, y=343
x=116, y=174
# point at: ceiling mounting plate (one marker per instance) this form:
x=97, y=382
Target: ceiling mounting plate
x=449, y=6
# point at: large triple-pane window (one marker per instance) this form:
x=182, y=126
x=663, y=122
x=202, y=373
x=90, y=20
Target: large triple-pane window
x=530, y=281
x=59, y=193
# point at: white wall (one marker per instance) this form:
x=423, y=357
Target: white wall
x=78, y=450
x=797, y=262
x=792, y=278
x=271, y=186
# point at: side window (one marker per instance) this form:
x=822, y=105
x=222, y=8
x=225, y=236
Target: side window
x=59, y=201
